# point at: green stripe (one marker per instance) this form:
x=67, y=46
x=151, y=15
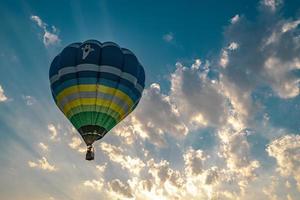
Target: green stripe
x=95, y=109
x=83, y=119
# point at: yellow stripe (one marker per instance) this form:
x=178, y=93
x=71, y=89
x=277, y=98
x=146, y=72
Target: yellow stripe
x=91, y=88
x=91, y=101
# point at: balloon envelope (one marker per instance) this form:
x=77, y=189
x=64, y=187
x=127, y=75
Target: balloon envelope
x=96, y=85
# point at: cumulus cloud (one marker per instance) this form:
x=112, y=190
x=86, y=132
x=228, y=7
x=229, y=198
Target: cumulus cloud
x=53, y=132
x=169, y=37
x=198, y=99
x=160, y=182
x=2, y=95
x=120, y=189
x=94, y=184
x=42, y=164
x=233, y=46
x=224, y=59
x=129, y=130
x=117, y=155
x=43, y=146
x=160, y=171
x=236, y=150
x=50, y=37
x=286, y=151
x=271, y=190
x=290, y=25
x=159, y=108
x=101, y=168
x=194, y=101
x=271, y=4
x=76, y=143
x=268, y=59
x=235, y=19
x=194, y=161
x=149, y=119
x=283, y=83
x=196, y=65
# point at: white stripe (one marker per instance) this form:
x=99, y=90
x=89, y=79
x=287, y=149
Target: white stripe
x=139, y=87
x=97, y=68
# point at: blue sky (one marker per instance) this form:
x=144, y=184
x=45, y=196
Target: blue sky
x=219, y=118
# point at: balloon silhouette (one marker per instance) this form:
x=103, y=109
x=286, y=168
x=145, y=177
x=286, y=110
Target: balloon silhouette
x=96, y=85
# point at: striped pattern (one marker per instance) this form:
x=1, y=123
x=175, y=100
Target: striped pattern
x=96, y=91
x=96, y=69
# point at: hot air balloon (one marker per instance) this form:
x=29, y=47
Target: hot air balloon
x=96, y=85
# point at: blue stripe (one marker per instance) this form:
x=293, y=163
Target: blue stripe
x=93, y=75
x=134, y=95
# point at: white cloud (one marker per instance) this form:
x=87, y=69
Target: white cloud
x=236, y=150
x=50, y=37
x=233, y=46
x=198, y=100
x=280, y=31
x=53, y=132
x=29, y=100
x=38, y=20
x=161, y=182
x=286, y=151
x=117, y=155
x=94, y=184
x=271, y=190
x=148, y=120
x=224, y=60
x=164, y=108
x=181, y=107
x=121, y=189
x=278, y=74
x=42, y=164
x=128, y=130
x=196, y=65
x=194, y=161
x=268, y=59
x=160, y=171
x=169, y=37
x=101, y=168
x=235, y=19
x=290, y=25
x=2, y=95
x=43, y=146
x=77, y=144
x=271, y=4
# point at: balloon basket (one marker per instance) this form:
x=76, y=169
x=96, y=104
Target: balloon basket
x=90, y=155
